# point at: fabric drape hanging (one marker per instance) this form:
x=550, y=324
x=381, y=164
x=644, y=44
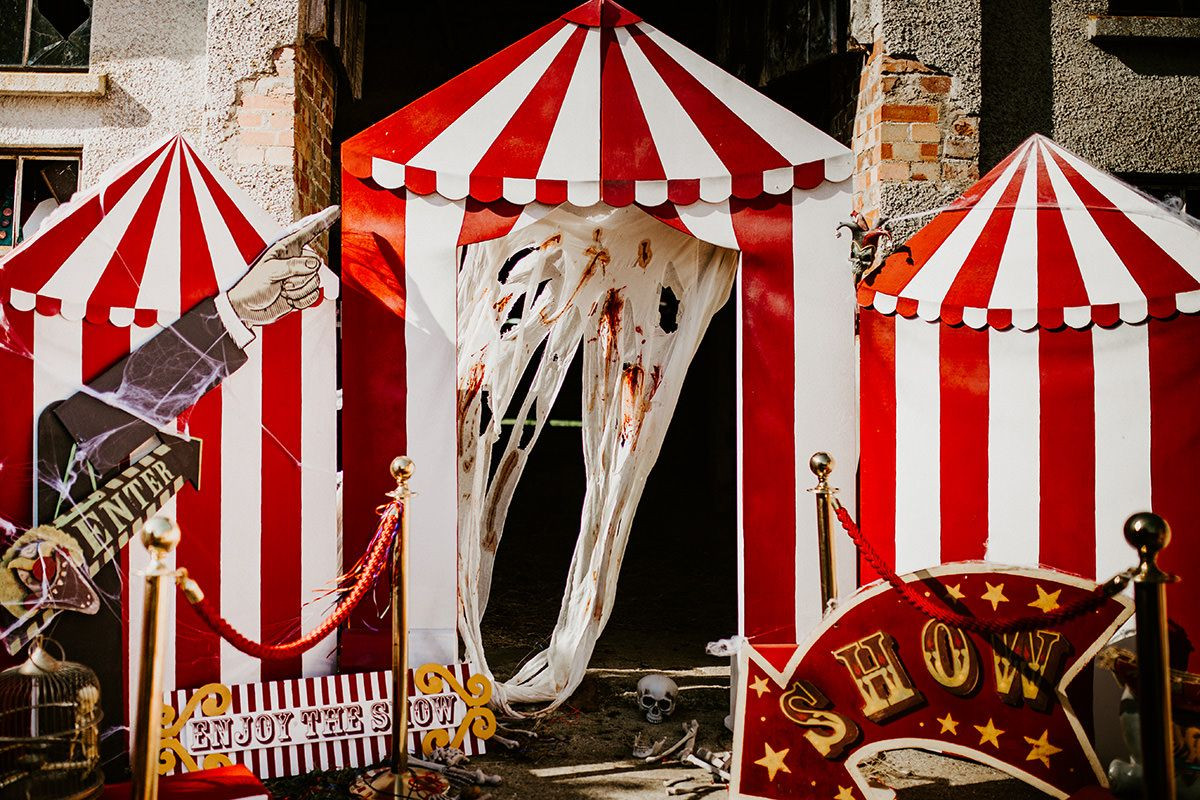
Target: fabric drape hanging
x=638, y=296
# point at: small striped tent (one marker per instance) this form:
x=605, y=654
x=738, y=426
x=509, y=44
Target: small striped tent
x=152, y=238
x=1032, y=378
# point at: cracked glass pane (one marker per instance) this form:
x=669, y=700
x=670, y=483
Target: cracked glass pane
x=45, y=185
x=60, y=33
x=12, y=32
x=8, y=186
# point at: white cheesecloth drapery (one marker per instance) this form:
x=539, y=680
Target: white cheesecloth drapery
x=578, y=277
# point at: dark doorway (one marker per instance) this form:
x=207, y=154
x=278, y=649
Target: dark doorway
x=678, y=584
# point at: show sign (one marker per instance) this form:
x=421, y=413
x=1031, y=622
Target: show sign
x=880, y=675
x=292, y=727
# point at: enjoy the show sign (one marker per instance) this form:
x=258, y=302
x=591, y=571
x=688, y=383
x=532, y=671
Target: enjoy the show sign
x=295, y=726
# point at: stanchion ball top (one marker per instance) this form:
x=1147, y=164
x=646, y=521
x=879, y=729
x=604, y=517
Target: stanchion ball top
x=160, y=533
x=821, y=464
x=1147, y=532
x=402, y=468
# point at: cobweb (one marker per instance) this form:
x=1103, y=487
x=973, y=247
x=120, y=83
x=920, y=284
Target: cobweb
x=637, y=296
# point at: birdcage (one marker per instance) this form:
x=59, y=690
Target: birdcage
x=49, y=729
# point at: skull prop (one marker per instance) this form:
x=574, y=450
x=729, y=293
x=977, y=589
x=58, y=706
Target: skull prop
x=656, y=697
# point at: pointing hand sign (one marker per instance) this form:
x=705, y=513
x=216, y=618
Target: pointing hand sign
x=284, y=278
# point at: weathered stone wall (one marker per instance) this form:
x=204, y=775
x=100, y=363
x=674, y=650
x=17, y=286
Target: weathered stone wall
x=222, y=72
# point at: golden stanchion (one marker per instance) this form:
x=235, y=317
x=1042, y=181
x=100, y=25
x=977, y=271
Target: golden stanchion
x=392, y=782
x=160, y=536
x=1150, y=533
x=822, y=465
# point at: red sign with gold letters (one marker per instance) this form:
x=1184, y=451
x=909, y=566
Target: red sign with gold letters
x=879, y=675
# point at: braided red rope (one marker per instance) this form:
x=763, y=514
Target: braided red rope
x=367, y=572
x=1073, y=609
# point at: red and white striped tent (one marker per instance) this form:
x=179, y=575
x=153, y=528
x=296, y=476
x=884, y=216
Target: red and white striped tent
x=598, y=107
x=1032, y=379
x=152, y=238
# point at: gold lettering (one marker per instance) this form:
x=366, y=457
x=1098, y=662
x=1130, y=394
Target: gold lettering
x=950, y=658
x=880, y=678
x=164, y=472
x=117, y=510
x=829, y=732
x=152, y=481
x=1036, y=657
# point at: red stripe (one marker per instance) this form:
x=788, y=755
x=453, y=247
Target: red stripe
x=741, y=149
x=17, y=422
x=1156, y=273
x=518, y=150
x=1174, y=446
x=197, y=278
x=1059, y=279
x=763, y=227
x=281, y=484
x=976, y=276
x=964, y=442
x=198, y=649
x=405, y=133
x=627, y=151
x=374, y=400
x=1068, y=451
x=118, y=284
x=877, y=457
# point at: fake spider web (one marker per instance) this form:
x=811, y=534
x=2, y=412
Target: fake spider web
x=595, y=279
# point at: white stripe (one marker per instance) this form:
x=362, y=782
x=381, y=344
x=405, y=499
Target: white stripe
x=1122, y=367
x=77, y=276
x=241, y=512
x=1016, y=283
x=159, y=286
x=430, y=339
x=918, y=444
x=709, y=222
x=824, y=411
x=266, y=226
x=57, y=369
x=934, y=279
x=573, y=150
x=1014, y=447
x=740, y=441
x=228, y=263
x=1105, y=277
x=684, y=151
x=467, y=139
x=795, y=139
x=319, y=536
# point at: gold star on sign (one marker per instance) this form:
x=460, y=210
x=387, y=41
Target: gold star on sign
x=1047, y=602
x=773, y=761
x=955, y=592
x=1041, y=749
x=844, y=793
x=761, y=686
x=994, y=595
x=989, y=733
x=949, y=723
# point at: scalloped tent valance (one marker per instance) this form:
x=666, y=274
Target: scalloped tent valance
x=597, y=105
x=153, y=237
x=1045, y=239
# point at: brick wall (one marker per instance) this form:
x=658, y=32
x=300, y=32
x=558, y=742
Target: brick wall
x=914, y=145
x=285, y=121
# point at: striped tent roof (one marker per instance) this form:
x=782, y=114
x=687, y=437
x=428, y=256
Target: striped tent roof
x=597, y=105
x=1045, y=239
x=149, y=240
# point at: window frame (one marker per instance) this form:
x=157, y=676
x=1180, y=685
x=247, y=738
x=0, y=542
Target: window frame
x=27, y=37
x=22, y=155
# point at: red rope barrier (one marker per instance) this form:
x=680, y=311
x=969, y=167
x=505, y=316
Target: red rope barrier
x=366, y=572
x=926, y=606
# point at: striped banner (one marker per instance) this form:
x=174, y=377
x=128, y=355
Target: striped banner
x=297, y=726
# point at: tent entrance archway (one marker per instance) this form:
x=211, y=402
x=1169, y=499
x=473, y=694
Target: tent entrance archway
x=678, y=584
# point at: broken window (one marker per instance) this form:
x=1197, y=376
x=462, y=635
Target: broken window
x=45, y=34
x=32, y=186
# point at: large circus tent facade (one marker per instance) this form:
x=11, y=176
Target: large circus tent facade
x=125, y=258
x=596, y=111
x=1031, y=379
